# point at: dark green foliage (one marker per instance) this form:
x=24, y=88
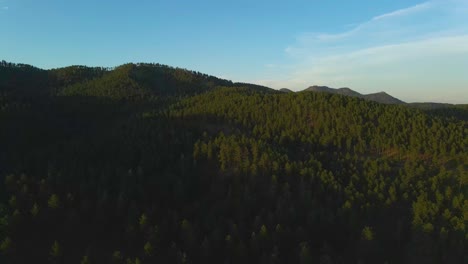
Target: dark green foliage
x=146, y=163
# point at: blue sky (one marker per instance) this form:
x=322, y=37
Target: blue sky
x=414, y=50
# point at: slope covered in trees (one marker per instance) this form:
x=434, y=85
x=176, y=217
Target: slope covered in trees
x=381, y=97
x=146, y=163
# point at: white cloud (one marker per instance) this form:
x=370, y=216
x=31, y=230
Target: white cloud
x=402, y=52
x=362, y=27
x=5, y=8
x=405, y=11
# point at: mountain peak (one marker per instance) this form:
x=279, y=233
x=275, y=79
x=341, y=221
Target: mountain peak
x=384, y=98
x=380, y=97
x=285, y=90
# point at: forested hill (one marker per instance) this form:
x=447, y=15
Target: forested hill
x=381, y=97
x=146, y=163
x=141, y=80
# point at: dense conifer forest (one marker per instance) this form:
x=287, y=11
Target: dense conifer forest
x=146, y=163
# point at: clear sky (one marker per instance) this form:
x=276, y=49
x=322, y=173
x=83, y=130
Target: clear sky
x=413, y=50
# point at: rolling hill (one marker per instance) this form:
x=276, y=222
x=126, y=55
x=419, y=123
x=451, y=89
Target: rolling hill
x=147, y=163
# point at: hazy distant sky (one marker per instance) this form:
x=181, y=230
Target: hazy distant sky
x=414, y=50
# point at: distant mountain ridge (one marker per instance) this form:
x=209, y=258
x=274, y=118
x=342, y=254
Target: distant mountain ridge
x=381, y=97
x=139, y=80
x=285, y=90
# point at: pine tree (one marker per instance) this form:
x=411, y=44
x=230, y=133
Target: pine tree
x=53, y=201
x=148, y=248
x=85, y=260
x=143, y=221
x=35, y=210
x=117, y=256
x=56, y=250
x=367, y=233
x=305, y=256
x=5, y=245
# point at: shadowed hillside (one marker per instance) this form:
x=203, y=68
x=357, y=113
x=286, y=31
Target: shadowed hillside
x=146, y=163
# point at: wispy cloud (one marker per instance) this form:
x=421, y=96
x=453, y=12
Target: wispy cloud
x=5, y=8
x=363, y=26
x=367, y=25
x=405, y=11
x=404, y=52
